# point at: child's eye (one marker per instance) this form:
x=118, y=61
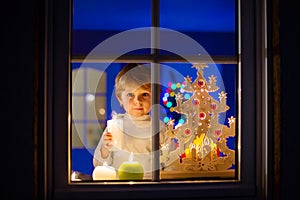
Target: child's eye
x=146, y=94
x=130, y=95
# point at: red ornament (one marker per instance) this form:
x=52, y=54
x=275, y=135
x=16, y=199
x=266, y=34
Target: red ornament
x=202, y=115
x=195, y=102
x=213, y=106
x=187, y=131
x=201, y=83
x=218, y=132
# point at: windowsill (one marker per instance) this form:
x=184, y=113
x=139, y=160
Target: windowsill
x=198, y=174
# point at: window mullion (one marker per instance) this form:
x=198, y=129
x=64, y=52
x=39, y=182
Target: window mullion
x=155, y=79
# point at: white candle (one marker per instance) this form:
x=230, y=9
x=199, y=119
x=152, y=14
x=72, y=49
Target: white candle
x=74, y=178
x=117, y=139
x=104, y=173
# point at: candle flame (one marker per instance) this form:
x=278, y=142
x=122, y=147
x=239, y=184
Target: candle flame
x=131, y=157
x=201, y=143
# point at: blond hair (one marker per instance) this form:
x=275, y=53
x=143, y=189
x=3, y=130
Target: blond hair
x=132, y=75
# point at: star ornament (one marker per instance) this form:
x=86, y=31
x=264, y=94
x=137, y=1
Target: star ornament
x=199, y=66
x=178, y=96
x=212, y=79
x=231, y=120
x=171, y=121
x=188, y=79
x=222, y=95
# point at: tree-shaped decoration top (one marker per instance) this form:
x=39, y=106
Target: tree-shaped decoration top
x=201, y=140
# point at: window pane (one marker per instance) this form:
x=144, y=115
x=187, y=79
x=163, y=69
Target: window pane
x=93, y=103
x=199, y=104
x=211, y=23
x=95, y=21
x=90, y=110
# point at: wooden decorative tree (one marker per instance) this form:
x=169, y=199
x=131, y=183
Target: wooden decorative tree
x=201, y=142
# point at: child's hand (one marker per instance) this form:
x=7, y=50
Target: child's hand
x=108, y=141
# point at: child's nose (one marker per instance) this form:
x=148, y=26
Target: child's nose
x=137, y=98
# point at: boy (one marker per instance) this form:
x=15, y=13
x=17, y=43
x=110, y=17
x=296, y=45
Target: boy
x=131, y=131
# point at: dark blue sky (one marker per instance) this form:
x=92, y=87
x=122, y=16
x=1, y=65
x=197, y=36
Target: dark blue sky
x=181, y=15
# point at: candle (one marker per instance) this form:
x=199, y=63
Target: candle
x=104, y=173
x=117, y=138
x=131, y=170
x=74, y=177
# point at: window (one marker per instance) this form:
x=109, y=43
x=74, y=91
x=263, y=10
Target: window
x=91, y=110
x=213, y=47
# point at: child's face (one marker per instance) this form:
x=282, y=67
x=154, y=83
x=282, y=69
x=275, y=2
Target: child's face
x=136, y=102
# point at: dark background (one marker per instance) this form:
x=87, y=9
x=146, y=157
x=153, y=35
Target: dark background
x=20, y=65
